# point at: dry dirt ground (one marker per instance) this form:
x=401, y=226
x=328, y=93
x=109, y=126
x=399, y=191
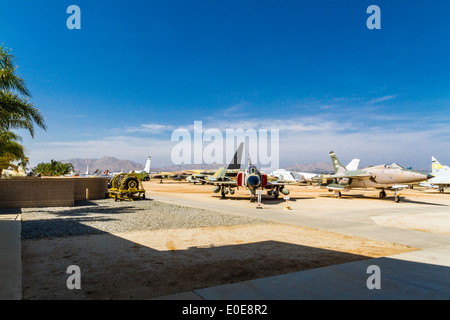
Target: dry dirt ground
x=151, y=263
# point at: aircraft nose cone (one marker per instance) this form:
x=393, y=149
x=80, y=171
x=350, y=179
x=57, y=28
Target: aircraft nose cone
x=253, y=181
x=430, y=176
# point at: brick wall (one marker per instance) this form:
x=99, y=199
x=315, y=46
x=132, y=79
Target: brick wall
x=98, y=187
x=49, y=192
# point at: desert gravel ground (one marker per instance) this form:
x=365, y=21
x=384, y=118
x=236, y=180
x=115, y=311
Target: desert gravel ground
x=145, y=249
x=108, y=216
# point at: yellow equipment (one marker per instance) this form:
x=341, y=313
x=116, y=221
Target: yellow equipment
x=125, y=186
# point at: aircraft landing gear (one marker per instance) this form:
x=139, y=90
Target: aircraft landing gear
x=397, y=196
x=441, y=189
x=337, y=194
x=382, y=194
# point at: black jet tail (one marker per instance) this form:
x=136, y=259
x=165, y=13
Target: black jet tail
x=236, y=161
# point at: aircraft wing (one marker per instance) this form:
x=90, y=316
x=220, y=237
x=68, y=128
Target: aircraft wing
x=214, y=181
x=222, y=183
x=160, y=175
x=335, y=186
x=280, y=183
x=348, y=175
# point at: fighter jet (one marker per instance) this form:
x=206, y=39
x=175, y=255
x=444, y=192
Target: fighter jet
x=392, y=176
x=305, y=177
x=441, y=175
x=252, y=179
x=177, y=175
x=222, y=174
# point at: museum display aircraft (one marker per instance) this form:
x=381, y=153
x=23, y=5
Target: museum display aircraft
x=393, y=177
x=441, y=175
x=306, y=177
x=253, y=180
x=200, y=175
x=222, y=173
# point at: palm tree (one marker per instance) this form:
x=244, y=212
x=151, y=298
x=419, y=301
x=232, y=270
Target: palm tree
x=9, y=80
x=53, y=168
x=24, y=163
x=63, y=169
x=16, y=112
x=10, y=150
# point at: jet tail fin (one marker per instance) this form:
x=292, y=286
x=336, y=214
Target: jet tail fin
x=236, y=161
x=338, y=167
x=147, y=165
x=219, y=173
x=353, y=165
x=435, y=165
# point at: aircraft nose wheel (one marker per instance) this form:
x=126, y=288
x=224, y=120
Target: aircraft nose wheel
x=337, y=194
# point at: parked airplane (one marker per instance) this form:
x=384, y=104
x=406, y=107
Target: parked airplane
x=287, y=175
x=295, y=176
x=252, y=179
x=144, y=174
x=174, y=175
x=441, y=175
x=204, y=176
x=392, y=176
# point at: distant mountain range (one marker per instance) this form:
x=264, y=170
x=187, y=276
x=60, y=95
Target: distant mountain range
x=318, y=167
x=114, y=164
x=105, y=163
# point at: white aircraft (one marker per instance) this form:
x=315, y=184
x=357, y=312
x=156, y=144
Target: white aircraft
x=146, y=167
x=295, y=176
x=286, y=175
x=441, y=175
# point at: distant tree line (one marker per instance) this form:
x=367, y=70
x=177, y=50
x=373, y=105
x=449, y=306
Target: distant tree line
x=53, y=168
x=16, y=112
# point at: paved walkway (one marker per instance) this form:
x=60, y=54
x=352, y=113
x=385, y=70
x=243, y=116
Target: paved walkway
x=422, y=274
x=10, y=257
x=404, y=276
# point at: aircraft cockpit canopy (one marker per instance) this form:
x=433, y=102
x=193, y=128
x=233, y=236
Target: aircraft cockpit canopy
x=393, y=166
x=251, y=170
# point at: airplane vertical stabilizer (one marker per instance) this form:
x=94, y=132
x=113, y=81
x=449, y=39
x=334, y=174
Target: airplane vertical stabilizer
x=353, y=165
x=219, y=173
x=437, y=168
x=338, y=167
x=237, y=158
x=147, y=165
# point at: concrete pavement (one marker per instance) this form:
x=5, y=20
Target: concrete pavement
x=10, y=257
x=421, y=274
x=401, y=277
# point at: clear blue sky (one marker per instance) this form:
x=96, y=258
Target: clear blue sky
x=137, y=70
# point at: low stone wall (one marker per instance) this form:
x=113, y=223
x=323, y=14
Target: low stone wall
x=29, y=192
x=97, y=188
